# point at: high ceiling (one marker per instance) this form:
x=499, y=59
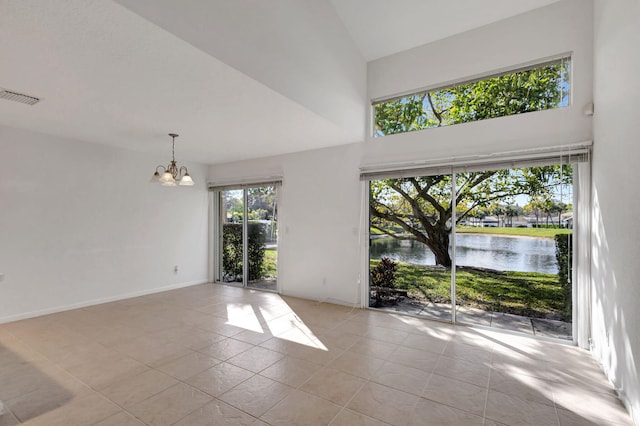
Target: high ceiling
x=236, y=79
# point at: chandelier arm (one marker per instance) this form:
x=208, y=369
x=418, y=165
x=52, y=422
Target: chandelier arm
x=185, y=171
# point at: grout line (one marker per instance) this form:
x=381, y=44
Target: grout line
x=344, y=407
x=66, y=325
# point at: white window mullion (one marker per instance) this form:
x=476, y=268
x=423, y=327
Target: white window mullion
x=453, y=248
x=245, y=238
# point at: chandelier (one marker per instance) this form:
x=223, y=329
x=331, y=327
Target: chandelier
x=172, y=174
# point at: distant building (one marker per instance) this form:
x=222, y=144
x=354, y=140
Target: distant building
x=489, y=221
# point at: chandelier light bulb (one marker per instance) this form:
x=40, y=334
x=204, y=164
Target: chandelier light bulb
x=166, y=177
x=155, y=178
x=186, y=180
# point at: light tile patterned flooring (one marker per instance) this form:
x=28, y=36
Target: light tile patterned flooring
x=214, y=354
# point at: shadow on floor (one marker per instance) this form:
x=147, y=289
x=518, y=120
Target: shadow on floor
x=469, y=315
x=29, y=387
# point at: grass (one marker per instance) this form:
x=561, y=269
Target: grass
x=525, y=232
x=270, y=265
x=521, y=293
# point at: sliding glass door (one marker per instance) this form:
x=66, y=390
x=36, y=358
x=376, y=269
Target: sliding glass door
x=410, y=234
x=247, y=235
x=232, y=226
x=511, y=237
x=486, y=246
x=262, y=236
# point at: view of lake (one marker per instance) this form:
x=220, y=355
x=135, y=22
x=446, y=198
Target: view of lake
x=523, y=254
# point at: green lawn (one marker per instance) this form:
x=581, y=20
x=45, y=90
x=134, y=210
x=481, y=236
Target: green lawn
x=526, y=232
x=270, y=265
x=520, y=293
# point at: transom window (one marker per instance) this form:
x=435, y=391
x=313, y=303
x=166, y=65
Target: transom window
x=540, y=87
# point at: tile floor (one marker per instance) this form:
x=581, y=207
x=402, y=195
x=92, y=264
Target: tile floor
x=215, y=354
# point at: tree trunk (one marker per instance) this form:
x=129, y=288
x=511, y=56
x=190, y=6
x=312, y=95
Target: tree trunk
x=438, y=243
x=443, y=258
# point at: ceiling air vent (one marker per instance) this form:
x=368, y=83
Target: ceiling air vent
x=18, y=97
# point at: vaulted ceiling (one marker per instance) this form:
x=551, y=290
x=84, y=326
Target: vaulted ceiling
x=236, y=79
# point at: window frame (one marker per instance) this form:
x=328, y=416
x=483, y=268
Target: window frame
x=540, y=63
x=577, y=154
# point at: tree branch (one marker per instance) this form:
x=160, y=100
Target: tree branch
x=433, y=108
x=392, y=218
x=396, y=236
x=417, y=211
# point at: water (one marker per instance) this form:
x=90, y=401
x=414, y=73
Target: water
x=523, y=254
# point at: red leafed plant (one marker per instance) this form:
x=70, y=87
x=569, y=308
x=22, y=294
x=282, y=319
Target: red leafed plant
x=384, y=274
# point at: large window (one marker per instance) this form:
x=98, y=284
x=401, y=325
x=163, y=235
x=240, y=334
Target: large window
x=541, y=87
x=483, y=244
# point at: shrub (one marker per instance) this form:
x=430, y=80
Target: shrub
x=384, y=273
x=257, y=236
x=563, y=251
x=383, y=278
x=232, y=251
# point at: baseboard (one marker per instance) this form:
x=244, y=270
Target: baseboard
x=319, y=299
x=100, y=301
x=624, y=398
x=635, y=416
x=622, y=395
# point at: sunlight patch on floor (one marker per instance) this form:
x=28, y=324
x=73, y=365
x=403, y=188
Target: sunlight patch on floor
x=287, y=326
x=243, y=316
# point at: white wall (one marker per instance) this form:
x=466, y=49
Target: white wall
x=616, y=234
x=319, y=219
x=320, y=215
x=79, y=223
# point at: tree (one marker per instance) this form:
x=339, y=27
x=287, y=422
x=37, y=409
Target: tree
x=515, y=93
x=548, y=208
x=419, y=212
x=262, y=201
x=420, y=208
x=498, y=211
x=560, y=208
x=535, y=206
x=511, y=211
x=232, y=205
